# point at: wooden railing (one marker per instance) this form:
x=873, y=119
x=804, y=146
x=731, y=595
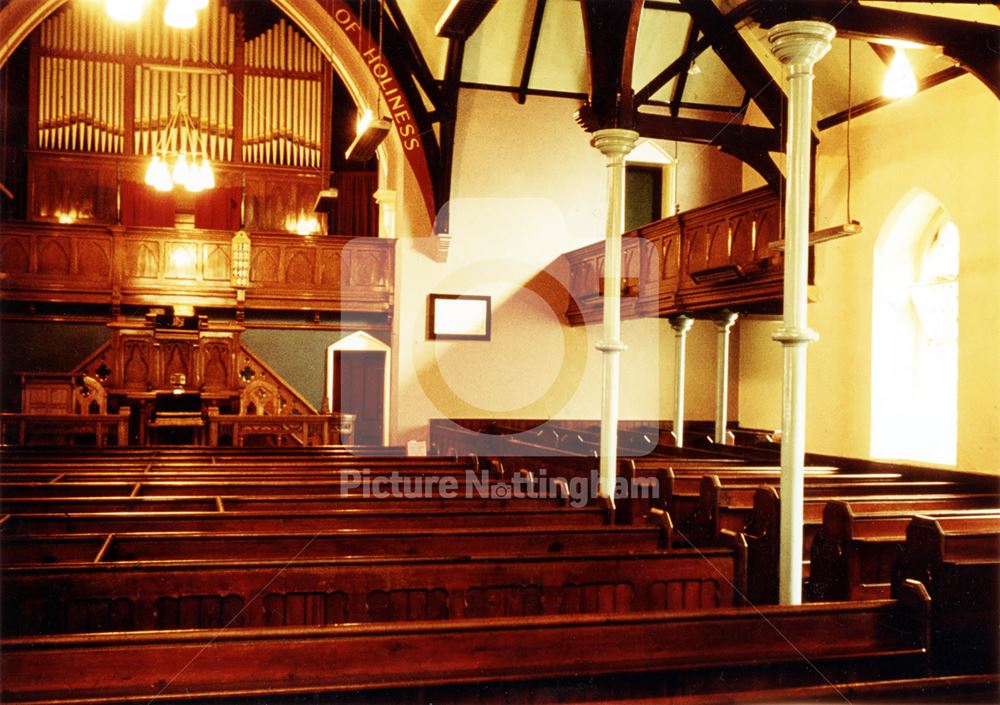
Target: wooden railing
x=59, y=429
x=283, y=429
x=145, y=266
x=713, y=257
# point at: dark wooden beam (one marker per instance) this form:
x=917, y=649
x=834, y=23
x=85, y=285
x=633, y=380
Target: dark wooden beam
x=761, y=162
x=452, y=84
x=875, y=103
x=415, y=61
x=737, y=56
x=690, y=55
x=607, y=25
x=529, y=59
x=720, y=134
x=711, y=107
x=745, y=103
x=541, y=92
x=664, y=6
x=973, y=45
x=462, y=17
x=677, y=66
x=626, y=93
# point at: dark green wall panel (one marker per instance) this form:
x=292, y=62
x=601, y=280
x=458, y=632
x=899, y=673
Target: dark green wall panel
x=27, y=346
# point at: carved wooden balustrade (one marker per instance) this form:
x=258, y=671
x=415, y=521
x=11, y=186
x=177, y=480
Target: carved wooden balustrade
x=709, y=258
x=153, y=266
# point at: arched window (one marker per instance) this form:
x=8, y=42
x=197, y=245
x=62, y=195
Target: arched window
x=915, y=335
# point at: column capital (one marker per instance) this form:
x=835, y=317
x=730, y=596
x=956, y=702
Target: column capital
x=801, y=43
x=681, y=324
x=725, y=320
x=614, y=143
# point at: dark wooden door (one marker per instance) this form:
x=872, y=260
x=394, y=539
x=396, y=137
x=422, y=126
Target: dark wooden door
x=358, y=380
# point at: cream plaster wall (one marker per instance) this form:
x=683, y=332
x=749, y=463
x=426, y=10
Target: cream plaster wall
x=528, y=187
x=945, y=140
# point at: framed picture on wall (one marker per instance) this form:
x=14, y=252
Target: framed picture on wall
x=458, y=317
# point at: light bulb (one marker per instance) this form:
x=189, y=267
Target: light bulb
x=900, y=82
x=207, y=174
x=124, y=10
x=161, y=178
x=152, y=171
x=193, y=182
x=180, y=14
x=181, y=169
x=200, y=4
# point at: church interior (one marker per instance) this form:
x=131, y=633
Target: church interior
x=375, y=351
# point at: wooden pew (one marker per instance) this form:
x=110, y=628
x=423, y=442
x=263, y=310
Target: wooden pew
x=295, y=591
x=726, y=501
x=853, y=553
x=315, y=520
x=612, y=656
x=277, y=463
x=683, y=484
x=763, y=536
x=383, y=487
x=169, y=545
x=959, y=563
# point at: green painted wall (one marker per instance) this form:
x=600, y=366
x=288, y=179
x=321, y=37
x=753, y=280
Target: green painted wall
x=299, y=356
x=27, y=346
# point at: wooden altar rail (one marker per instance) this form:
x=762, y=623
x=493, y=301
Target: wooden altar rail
x=143, y=266
x=99, y=429
x=297, y=429
x=712, y=257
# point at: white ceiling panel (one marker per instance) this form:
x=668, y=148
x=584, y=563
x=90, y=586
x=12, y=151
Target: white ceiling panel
x=421, y=16
x=494, y=54
x=662, y=35
x=561, y=58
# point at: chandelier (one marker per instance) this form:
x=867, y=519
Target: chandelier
x=181, y=144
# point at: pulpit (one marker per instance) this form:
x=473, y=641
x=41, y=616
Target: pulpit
x=170, y=370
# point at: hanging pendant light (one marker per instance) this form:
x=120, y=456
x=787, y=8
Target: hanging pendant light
x=125, y=11
x=192, y=171
x=900, y=81
x=180, y=14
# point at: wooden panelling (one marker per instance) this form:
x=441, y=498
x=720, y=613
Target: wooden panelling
x=151, y=266
x=663, y=259
x=587, y=280
x=72, y=188
x=275, y=200
x=56, y=263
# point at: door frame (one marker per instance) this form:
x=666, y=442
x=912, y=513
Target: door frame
x=360, y=341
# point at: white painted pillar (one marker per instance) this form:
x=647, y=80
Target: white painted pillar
x=798, y=45
x=681, y=325
x=614, y=144
x=724, y=323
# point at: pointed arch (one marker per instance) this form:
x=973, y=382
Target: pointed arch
x=915, y=333
x=327, y=24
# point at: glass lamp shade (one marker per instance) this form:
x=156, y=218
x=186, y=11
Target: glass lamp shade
x=124, y=10
x=180, y=14
x=900, y=81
